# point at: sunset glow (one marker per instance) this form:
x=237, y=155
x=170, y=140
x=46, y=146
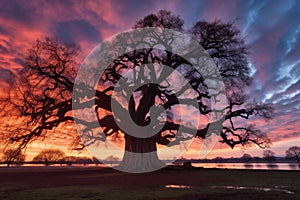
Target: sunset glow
x=271, y=29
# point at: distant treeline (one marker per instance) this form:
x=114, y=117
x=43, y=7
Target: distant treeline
x=91, y=161
x=235, y=160
x=61, y=162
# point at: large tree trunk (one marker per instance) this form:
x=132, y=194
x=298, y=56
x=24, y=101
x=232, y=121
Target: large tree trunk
x=140, y=155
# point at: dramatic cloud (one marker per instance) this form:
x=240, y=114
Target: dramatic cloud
x=270, y=28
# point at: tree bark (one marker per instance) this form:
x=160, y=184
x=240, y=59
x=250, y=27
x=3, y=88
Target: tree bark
x=140, y=155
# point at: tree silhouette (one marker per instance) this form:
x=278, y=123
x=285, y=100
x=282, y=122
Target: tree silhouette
x=293, y=153
x=246, y=157
x=42, y=94
x=269, y=155
x=48, y=156
x=11, y=156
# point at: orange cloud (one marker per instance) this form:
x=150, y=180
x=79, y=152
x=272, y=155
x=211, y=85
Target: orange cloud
x=24, y=22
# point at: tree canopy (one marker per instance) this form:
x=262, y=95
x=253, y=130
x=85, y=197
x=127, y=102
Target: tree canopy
x=49, y=156
x=42, y=93
x=13, y=156
x=269, y=155
x=246, y=157
x=293, y=153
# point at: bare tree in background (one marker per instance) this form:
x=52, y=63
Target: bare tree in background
x=48, y=156
x=269, y=155
x=246, y=157
x=13, y=156
x=42, y=94
x=293, y=153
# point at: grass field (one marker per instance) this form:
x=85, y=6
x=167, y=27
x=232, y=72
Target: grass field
x=41, y=183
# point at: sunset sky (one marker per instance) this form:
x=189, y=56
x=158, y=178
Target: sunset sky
x=270, y=28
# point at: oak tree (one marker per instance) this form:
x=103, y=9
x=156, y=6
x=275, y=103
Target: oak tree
x=42, y=94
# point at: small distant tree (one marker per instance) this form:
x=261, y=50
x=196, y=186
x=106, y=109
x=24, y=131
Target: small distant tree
x=269, y=155
x=11, y=156
x=293, y=153
x=246, y=157
x=49, y=156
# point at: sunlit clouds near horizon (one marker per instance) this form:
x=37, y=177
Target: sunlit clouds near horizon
x=270, y=28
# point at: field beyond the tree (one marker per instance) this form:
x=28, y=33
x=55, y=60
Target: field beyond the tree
x=45, y=183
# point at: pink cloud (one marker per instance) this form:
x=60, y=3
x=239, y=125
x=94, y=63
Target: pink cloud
x=24, y=22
